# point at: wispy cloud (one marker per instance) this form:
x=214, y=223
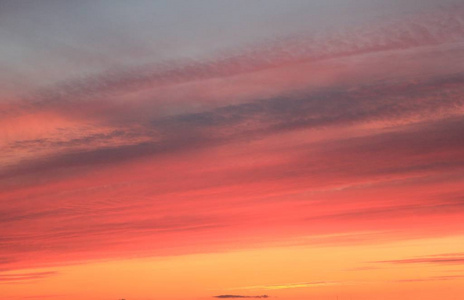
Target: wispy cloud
x=441, y=259
x=18, y=277
x=432, y=278
x=290, y=285
x=160, y=154
x=240, y=296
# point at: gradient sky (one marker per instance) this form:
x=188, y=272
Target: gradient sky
x=232, y=149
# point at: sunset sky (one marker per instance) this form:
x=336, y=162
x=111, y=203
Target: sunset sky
x=214, y=149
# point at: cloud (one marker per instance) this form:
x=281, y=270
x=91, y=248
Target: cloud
x=275, y=138
x=397, y=211
x=290, y=108
x=89, y=96
x=241, y=296
x=191, y=132
x=47, y=296
x=290, y=285
x=14, y=277
x=432, y=278
x=442, y=259
x=327, y=108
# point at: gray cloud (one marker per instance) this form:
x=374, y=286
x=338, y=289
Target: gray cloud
x=325, y=108
x=74, y=96
x=193, y=132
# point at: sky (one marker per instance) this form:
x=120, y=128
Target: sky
x=221, y=149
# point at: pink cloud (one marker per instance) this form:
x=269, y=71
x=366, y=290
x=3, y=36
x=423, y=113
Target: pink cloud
x=324, y=137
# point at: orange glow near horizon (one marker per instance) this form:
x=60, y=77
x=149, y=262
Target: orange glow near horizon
x=293, y=272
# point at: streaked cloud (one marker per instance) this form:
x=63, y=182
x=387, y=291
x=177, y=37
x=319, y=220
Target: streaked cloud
x=114, y=148
x=443, y=259
x=290, y=285
x=240, y=296
x=18, y=277
x=432, y=278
